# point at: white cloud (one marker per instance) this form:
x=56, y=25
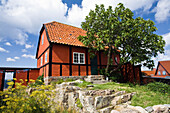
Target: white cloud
x=19, y=17
x=28, y=56
x=162, y=10
x=77, y=14
x=3, y=50
x=8, y=44
x=24, y=50
x=10, y=59
x=28, y=46
x=16, y=58
x=166, y=37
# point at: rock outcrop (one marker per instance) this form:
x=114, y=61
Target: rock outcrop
x=89, y=101
x=68, y=96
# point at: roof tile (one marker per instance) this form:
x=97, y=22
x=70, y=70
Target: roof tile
x=166, y=65
x=64, y=34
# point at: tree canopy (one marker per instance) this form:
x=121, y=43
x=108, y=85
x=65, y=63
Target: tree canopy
x=118, y=30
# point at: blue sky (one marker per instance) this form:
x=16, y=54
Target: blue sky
x=21, y=21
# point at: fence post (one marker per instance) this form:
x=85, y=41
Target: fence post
x=3, y=79
x=13, y=79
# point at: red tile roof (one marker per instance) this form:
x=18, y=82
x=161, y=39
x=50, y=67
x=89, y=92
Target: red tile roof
x=64, y=34
x=150, y=73
x=166, y=65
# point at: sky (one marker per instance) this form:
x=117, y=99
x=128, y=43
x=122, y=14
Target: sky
x=21, y=21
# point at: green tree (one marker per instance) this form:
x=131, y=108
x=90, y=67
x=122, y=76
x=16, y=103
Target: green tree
x=118, y=30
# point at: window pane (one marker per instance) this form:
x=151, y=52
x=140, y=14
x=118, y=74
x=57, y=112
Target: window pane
x=81, y=58
x=75, y=58
x=45, y=57
x=164, y=72
x=159, y=73
x=41, y=60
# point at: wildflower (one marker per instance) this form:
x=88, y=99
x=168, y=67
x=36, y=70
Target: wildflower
x=2, y=107
x=32, y=80
x=14, y=79
x=10, y=83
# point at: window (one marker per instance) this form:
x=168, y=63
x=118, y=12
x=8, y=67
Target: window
x=164, y=72
x=41, y=60
x=78, y=58
x=42, y=39
x=46, y=57
x=159, y=73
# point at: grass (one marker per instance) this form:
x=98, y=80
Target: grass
x=145, y=96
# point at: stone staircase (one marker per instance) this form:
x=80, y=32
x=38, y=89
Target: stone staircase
x=96, y=79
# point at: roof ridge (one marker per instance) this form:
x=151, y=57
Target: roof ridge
x=165, y=61
x=63, y=24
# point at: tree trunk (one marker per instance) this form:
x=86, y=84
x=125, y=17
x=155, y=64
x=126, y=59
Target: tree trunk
x=108, y=59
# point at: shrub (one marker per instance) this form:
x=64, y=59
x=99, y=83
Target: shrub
x=38, y=81
x=115, y=76
x=18, y=100
x=159, y=87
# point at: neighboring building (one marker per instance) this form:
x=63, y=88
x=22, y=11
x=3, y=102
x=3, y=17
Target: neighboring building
x=163, y=69
x=60, y=53
x=149, y=73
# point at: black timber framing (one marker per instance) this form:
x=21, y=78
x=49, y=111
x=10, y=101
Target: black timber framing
x=14, y=76
x=79, y=70
x=44, y=51
x=60, y=69
x=87, y=62
x=3, y=79
x=50, y=61
x=70, y=60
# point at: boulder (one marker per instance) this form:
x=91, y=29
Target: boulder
x=149, y=109
x=114, y=111
x=78, y=81
x=160, y=109
x=106, y=109
x=127, y=110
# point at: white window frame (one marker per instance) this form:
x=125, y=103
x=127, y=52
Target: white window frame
x=41, y=61
x=45, y=57
x=42, y=42
x=164, y=73
x=79, y=58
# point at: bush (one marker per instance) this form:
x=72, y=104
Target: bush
x=115, y=76
x=38, y=81
x=17, y=100
x=159, y=87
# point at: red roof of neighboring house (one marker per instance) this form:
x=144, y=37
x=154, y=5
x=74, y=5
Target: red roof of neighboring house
x=64, y=34
x=166, y=65
x=150, y=73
